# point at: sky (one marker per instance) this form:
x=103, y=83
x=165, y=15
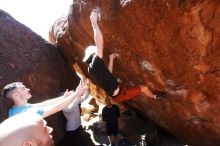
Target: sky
x=38, y=15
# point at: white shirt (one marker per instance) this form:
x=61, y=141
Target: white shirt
x=72, y=113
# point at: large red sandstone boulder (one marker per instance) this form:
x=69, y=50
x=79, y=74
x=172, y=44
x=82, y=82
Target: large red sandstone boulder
x=26, y=57
x=168, y=45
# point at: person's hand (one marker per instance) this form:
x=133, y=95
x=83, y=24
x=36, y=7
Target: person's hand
x=93, y=17
x=87, y=82
x=113, y=55
x=68, y=93
x=82, y=88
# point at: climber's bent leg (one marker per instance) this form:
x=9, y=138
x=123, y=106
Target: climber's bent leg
x=147, y=92
x=116, y=92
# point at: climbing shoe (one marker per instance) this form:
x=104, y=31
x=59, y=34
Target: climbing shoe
x=160, y=95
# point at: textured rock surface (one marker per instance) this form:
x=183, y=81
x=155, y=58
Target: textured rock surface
x=26, y=57
x=168, y=45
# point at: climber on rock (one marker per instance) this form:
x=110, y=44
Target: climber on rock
x=102, y=75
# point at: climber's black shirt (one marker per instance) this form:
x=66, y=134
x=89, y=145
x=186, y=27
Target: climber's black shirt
x=102, y=76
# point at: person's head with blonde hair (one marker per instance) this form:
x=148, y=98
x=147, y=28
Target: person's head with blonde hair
x=25, y=129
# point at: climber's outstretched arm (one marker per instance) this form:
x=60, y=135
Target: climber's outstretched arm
x=98, y=38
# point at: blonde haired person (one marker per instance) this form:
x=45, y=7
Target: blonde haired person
x=25, y=129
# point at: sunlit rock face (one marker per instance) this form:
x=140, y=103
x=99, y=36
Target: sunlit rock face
x=26, y=57
x=168, y=45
